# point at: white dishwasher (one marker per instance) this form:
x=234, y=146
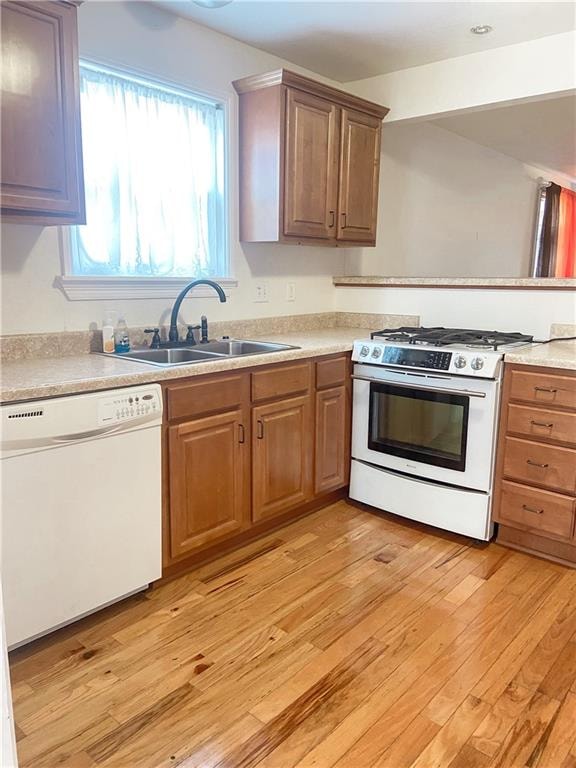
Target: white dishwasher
x=81, y=505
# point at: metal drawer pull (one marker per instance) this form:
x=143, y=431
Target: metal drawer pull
x=467, y=392
x=536, y=464
x=532, y=509
x=241, y=433
x=332, y=219
x=260, y=433
x=542, y=424
x=545, y=389
x=343, y=220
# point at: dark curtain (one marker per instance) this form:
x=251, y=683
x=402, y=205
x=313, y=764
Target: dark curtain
x=549, y=232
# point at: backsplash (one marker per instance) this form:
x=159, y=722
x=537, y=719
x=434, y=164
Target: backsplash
x=70, y=343
x=562, y=329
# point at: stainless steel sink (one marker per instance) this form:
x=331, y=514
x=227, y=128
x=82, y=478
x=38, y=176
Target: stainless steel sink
x=214, y=350
x=169, y=357
x=235, y=348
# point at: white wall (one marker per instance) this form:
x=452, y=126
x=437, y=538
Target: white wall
x=145, y=38
x=516, y=310
x=500, y=76
x=448, y=208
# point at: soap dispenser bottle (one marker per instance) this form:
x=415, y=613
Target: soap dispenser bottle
x=108, y=341
x=121, y=337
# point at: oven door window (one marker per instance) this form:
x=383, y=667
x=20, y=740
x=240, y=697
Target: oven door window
x=422, y=425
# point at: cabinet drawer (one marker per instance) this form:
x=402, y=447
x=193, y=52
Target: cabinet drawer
x=542, y=424
x=279, y=382
x=543, y=388
x=207, y=394
x=538, y=464
x=527, y=508
x=331, y=373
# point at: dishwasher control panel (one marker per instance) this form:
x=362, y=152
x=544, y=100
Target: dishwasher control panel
x=134, y=404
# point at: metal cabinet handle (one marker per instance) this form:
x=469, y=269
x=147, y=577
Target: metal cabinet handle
x=260, y=433
x=549, y=424
x=343, y=220
x=536, y=464
x=532, y=509
x=332, y=219
x=545, y=389
x=241, y=434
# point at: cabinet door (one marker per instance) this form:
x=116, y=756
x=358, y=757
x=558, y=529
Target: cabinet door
x=332, y=461
x=282, y=456
x=209, y=480
x=311, y=166
x=359, y=173
x=41, y=146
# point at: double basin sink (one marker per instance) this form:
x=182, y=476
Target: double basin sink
x=202, y=353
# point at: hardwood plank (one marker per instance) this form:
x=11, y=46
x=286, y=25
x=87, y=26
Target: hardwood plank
x=408, y=745
x=450, y=739
x=464, y=589
x=562, y=673
x=487, y=652
x=302, y=709
x=562, y=737
x=337, y=640
x=492, y=731
x=44, y=749
x=524, y=737
x=109, y=744
x=468, y=757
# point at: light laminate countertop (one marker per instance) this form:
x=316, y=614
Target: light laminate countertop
x=57, y=376
x=556, y=354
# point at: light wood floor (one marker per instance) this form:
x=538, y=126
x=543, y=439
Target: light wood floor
x=346, y=639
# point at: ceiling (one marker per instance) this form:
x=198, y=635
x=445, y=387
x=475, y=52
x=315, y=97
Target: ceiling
x=348, y=41
x=541, y=134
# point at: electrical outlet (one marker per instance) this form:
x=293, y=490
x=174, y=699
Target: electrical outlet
x=290, y=291
x=261, y=292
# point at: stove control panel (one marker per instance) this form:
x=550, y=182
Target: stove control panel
x=465, y=362
x=417, y=357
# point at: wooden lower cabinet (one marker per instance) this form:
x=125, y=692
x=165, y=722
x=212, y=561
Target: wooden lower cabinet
x=246, y=450
x=282, y=456
x=332, y=457
x=209, y=480
x=535, y=488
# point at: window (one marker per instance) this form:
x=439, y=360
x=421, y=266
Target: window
x=155, y=181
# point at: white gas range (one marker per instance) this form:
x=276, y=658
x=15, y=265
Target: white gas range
x=424, y=424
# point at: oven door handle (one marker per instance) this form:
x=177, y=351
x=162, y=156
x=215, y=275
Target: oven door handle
x=467, y=392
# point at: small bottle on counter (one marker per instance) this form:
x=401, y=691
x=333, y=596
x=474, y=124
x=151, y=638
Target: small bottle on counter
x=108, y=333
x=121, y=337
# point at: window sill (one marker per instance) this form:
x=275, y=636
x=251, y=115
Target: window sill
x=94, y=288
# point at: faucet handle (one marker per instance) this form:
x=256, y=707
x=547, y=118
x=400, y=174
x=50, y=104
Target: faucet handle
x=190, y=335
x=155, y=343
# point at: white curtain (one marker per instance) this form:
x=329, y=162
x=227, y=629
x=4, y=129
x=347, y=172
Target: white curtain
x=154, y=176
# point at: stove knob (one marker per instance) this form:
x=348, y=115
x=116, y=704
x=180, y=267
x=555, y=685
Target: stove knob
x=477, y=363
x=460, y=361
x=364, y=351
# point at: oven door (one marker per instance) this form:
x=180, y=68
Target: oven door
x=436, y=427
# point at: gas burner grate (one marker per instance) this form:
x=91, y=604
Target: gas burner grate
x=442, y=337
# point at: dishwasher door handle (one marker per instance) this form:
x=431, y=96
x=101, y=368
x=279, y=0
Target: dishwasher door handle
x=54, y=440
x=86, y=434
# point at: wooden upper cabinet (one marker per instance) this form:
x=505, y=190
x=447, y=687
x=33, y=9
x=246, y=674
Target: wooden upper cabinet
x=359, y=175
x=41, y=171
x=311, y=166
x=309, y=162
